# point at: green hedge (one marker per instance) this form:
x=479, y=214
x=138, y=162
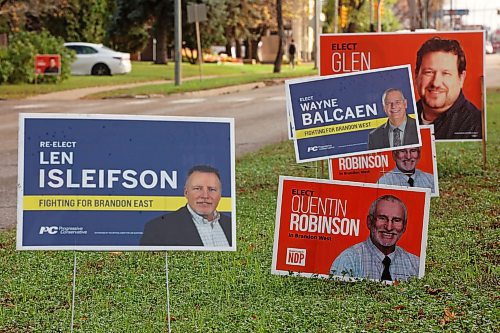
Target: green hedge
x=17, y=61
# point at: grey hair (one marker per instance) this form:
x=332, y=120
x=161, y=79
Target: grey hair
x=391, y=90
x=388, y=197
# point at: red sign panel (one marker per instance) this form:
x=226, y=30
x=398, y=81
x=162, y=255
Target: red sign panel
x=48, y=64
x=322, y=222
x=371, y=168
x=441, y=93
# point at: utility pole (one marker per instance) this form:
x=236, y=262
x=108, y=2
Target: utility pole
x=178, y=41
x=336, y=16
x=425, y=14
x=413, y=14
x=379, y=15
x=317, y=13
x=372, y=26
x=451, y=14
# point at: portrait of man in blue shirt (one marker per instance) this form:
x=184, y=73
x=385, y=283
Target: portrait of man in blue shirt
x=406, y=173
x=378, y=257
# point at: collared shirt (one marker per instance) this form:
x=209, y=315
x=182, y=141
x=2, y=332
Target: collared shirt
x=461, y=121
x=401, y=133
x=364, y=260
x=210, y=232
x=396, y=177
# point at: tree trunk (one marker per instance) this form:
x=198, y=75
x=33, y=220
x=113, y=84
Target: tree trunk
x=281, y=34
x=255, y=50
x=238, y=48
x=247, y=45
x=229, y=40
x=161, y=40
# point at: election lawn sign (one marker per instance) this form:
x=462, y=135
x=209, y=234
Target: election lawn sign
x=368, y=168
x=317, y=219
x=91, y=182
x=332, y=116
x=350, y=53
x=42, y=64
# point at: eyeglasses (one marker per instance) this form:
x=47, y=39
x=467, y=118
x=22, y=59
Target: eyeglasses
x=385, y=219
x=411, y=151
x=397, y=102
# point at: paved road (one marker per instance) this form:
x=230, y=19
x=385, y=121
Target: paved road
x=259, y=113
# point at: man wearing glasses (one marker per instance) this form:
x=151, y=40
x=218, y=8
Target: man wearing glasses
x=405, y=173
x=399, y=130
x=378, y=257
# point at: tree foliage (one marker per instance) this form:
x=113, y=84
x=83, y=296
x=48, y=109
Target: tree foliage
x=127, y=30
x=133, y=20
x=73, y=20
x=425, y=12
x=20, y=15
x=359, y=16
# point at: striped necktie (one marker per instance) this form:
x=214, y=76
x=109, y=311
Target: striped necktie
x=396, y=139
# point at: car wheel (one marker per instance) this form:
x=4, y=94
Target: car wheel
x=100, y=69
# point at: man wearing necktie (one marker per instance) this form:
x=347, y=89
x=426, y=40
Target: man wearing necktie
x=399, y=130
x=406, y=173
x=378, y=257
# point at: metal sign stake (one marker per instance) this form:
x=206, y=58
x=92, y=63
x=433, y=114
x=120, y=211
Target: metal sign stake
x=74, y=289
x=168, y=292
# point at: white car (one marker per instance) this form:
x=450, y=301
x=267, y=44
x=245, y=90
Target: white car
x=97, y=59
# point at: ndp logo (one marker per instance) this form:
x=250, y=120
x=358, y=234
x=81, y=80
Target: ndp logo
x=49, y=230
x=313, y=148
x=296, y=257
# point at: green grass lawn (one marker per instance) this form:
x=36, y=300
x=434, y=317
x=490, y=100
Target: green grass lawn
x=235, y=292
x=207, y=83
x=145, y=71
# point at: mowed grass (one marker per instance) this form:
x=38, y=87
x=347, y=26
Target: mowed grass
x=146, y=71
x=235, y=292
x=210, y=82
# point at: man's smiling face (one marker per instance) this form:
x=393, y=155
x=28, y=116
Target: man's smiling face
x=387, y=225
x=438, y=81
x=395, y=107
x=203, y=192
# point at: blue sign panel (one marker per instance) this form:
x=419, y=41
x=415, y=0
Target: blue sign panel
x=345, y=114
x=95, y=182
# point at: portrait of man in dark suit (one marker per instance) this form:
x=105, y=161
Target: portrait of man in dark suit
x=399, y=130
x=198, y=223
x=52, y=68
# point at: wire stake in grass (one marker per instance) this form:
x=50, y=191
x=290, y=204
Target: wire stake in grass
x=74, y=288
x=168, y=293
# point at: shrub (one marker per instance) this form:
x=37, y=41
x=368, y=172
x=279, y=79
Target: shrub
x=18, y=64
x=5, y=65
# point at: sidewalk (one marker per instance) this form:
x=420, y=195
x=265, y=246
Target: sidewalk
x=75, y=94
